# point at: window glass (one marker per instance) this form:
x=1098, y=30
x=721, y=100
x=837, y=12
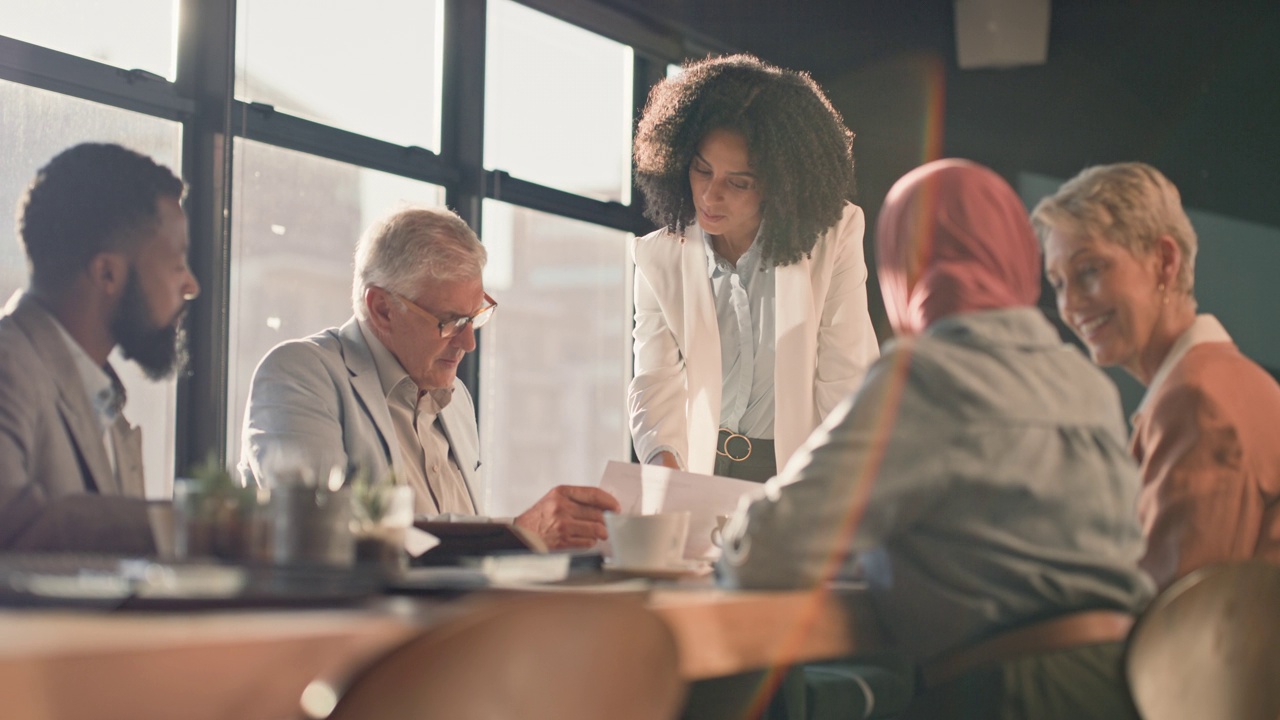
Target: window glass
x=130, y=34
x=296, y=219
x=375, y=71
x=558, y=104
x=555, y=360
x=35, y=125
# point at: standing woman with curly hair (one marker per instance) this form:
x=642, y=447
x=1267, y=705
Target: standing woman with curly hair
x=751, y=318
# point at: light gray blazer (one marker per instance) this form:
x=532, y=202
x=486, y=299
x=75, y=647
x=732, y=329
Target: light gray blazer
x=318, y=402
x=57, y=490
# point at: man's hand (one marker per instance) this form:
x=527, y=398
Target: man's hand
x=570, y=516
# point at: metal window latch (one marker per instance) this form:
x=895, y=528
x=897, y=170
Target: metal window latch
x=496, y=186
x=139, y=75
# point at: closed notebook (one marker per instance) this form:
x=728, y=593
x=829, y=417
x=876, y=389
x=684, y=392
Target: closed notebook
x=472, y=539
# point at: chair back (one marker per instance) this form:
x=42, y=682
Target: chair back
x=567, y=657
x=1209, y=646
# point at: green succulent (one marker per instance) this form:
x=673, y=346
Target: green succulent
x=372, y=501
x=213, y=479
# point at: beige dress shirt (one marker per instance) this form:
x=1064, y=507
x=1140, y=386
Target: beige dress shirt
x=432, y=470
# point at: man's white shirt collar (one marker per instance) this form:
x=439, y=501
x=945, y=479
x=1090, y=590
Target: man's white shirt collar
x=104, y=396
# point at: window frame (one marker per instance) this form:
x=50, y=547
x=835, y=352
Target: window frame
x=201, y=97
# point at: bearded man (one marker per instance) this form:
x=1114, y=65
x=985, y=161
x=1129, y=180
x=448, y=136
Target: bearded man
x=106, y=241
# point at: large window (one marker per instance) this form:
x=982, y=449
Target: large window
x=129, y=34
x=372, y=67
x=558, y=104
x=297, y=124
x=555, y=364
x=35, y=125
x=296, y=221
x=556, y=359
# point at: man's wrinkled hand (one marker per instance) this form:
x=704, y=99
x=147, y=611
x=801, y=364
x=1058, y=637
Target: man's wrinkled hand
x=570, y=516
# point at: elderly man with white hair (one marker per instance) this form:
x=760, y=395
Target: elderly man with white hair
x=381, y=392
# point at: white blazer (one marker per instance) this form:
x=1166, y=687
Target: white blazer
x=825, y=342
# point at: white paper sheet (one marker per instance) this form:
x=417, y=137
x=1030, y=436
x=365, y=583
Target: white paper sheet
x=648, y=489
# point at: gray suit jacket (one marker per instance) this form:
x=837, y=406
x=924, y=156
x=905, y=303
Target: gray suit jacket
x=318, y=403
x=57, y=491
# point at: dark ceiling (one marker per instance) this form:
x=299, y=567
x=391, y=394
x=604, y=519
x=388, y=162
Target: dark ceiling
x=1192, y=86
x=820, y=36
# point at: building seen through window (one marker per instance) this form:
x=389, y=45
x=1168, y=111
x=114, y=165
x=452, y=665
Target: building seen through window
x=350, y=90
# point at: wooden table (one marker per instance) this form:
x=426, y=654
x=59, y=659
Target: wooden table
x=255, y=664
x=721, y=632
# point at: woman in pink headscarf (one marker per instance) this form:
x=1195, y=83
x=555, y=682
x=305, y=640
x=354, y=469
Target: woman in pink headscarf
x=979, y=478
x=953, y=238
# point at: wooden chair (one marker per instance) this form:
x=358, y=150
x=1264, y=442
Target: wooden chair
x=563, y=657
x=1209, y=646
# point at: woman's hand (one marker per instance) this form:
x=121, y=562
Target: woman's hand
x=666, y=459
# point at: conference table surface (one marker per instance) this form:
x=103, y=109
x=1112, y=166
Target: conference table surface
x=256, y=663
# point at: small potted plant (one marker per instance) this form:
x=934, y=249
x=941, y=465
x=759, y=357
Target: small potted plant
x=382, y=511
x=214, y=516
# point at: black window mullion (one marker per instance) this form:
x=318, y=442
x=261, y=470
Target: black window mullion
x=136, y=90
x=262, y=123
x=505, y=188
x=648, y=71
x=206, y=74
x=462, y=128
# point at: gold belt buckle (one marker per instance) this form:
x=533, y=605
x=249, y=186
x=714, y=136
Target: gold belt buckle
x=725, y=452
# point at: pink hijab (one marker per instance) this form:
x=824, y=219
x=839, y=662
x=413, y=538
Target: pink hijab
x=953, y=237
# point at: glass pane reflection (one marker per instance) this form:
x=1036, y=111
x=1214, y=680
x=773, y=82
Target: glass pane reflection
x=555, y=360
x=131, y=34
x=557, y=104
x=375, y=71
x=296, y=219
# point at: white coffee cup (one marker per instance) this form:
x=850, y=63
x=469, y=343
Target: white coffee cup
x=647, y=541
x=717, y=532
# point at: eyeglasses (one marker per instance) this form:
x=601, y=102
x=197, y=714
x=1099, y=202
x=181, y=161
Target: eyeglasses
x=453, y=327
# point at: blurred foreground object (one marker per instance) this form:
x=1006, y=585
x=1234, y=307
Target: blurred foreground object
x=1209, y=646
x=565, y=657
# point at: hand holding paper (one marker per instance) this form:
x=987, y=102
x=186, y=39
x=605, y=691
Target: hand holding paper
x=649, y=489
x=569, y=516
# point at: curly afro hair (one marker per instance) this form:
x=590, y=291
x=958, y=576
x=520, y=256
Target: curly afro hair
x=797, y=143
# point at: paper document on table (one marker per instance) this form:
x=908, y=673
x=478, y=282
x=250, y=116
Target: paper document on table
x=648, y=489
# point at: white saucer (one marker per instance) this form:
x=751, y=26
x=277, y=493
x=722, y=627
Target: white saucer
x=685, y=568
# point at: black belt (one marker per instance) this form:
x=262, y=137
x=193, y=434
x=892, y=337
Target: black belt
x=745, y=458
x=735, y=446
